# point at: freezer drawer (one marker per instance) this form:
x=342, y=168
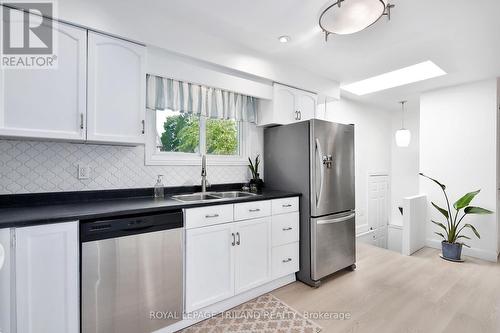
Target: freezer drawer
x=332, y=244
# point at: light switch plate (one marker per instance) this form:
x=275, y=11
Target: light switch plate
x=83, y=171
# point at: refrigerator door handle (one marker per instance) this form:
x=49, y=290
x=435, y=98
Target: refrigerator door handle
x=319, y=191
x=340, y=219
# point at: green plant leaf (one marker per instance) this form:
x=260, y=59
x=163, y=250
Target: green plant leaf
x=440, y=224
x=463, y=236
x=442, y=210
x=470, y=226
x=435, y=181
x=476, y=210
x=440, y=234
x=465, y=200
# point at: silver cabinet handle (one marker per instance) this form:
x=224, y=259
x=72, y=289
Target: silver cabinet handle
x=287, y=229
x=300, y=115
x=254, y=210
x=296, y=115
x=82, y=121
x=238, y=241
x=143, y=126
x=211, y=216
x=234, y=241
x=286, y=260
x=286, y=206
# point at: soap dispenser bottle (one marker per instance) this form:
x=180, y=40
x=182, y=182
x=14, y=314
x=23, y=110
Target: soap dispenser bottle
x=159, y=188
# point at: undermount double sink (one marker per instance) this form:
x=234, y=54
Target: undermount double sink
x=210, y=196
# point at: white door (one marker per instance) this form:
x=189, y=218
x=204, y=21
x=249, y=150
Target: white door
x=48, y=103
x=6, y=287
x=209, y=265
x=47, y=278
x=116, y=90
x=378, y=201
x=306, y=105
x=253, y=253
x=284, y=105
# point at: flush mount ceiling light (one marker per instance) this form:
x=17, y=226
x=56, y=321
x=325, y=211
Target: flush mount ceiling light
x=284, y=39
x=346, y=17
x=403, y=135
x=419, y=72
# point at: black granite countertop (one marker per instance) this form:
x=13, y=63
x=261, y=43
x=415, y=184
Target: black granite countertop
x=28, y=210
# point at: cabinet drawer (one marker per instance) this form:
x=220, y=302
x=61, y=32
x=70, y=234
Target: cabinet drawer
x=210, y=215
x=286, y=205
x=250, y=210
x=285, y=259
x=285, y=228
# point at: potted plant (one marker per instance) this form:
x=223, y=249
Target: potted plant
x=451, y=244
x=254, y=169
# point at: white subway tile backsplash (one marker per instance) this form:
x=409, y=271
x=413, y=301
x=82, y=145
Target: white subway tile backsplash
x=35, y=166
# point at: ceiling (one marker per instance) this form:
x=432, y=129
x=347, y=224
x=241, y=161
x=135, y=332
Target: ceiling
x=460, y=36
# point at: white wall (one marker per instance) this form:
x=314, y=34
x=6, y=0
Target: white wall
x=458, y=146
x=404, y=162
x=372, y=146
x=171, y=65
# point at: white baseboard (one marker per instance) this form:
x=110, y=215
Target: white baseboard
x=229, y=303
x=471, y=252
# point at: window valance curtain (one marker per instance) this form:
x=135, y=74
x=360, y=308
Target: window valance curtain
x=163, y=93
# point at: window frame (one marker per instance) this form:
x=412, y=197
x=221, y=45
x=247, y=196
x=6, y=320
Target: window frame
x=154, y=157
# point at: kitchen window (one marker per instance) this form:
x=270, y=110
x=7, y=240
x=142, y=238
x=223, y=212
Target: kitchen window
x=196, y=122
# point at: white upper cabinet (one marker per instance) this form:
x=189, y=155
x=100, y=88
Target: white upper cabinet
x=116, y=90
x=48, y=103
x=288, y=105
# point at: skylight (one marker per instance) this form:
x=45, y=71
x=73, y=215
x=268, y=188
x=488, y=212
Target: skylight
x=415, y=73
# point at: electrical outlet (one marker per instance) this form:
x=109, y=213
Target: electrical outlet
x=83, y=171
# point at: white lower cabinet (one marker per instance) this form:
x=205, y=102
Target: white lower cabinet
x=230, y=258
x=209, y=265
x=47, y=278
x=285, y=259
x=253, y=253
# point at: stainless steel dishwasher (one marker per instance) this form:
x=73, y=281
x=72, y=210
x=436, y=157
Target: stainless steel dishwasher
x=132, y=273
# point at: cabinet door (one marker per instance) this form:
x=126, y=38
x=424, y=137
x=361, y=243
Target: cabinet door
x=48, y=103
x=306, y=105
x=116, y=90
x=47, y=278
x=284, y=104
x=209, y=265
x=6, y=287
x=253, y=253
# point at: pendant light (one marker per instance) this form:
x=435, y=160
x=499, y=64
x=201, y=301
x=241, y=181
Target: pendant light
x=346, y=17
x=403, y=135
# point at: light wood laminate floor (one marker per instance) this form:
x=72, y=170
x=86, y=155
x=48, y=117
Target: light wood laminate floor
x=389, y=292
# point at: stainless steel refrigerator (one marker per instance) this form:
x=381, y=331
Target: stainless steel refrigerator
x=316, y=158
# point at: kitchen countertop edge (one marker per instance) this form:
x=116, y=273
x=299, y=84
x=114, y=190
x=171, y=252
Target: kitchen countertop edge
x=91, y=210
